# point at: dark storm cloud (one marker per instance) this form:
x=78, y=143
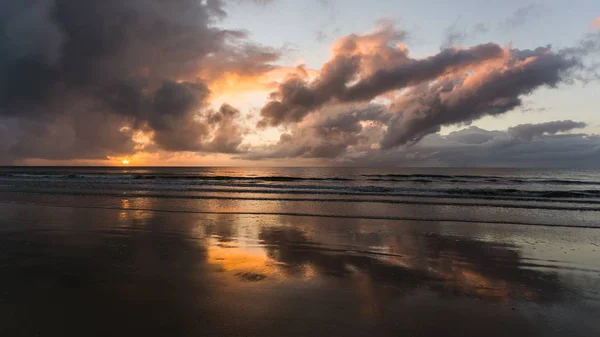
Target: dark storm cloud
x=178, y=117
x=217, y=131
x=84, y=132
x=172, y=119
x=137, y=63
x=296, y=98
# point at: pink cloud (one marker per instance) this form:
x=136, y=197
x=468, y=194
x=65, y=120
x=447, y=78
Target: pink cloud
x=596, y=23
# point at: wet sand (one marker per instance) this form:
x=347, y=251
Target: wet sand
x=77, y=271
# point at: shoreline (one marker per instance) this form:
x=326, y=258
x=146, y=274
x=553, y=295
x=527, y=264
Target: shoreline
x=308, y=215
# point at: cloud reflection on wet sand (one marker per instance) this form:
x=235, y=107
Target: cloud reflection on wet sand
x=152, y=273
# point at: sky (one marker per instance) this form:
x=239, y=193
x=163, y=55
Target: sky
x=300, y=83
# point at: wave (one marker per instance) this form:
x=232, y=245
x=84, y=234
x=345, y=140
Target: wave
x=311, y=199
x=524, y=193
x=298, y=214
x=245, y=186
x=239, y=178
x=167, y=177
x=431, y=178
x=361, y=187
x=383, y=178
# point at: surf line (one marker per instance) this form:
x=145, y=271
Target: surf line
x=334, y=216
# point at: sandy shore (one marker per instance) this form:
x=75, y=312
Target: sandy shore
x=71, y=271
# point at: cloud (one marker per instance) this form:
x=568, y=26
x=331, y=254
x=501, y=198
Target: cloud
x=547, y=151
x=523, y=15
x=326, y=135
x=596, y=23
x=547, y=144
x=258, y=2
x=462, y=99
x=523, y=145
x=135, y=65
x=375, y=66
x=455, y=86
x=227, y=135
x=326, y=28
x=455, y=35
x=81, y=81
x=529, y=131
x=82, y=132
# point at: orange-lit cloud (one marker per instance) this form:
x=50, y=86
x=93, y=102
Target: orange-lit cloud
x=364, y=67
x=596, y=23
x=235, y=83
x=382, y=48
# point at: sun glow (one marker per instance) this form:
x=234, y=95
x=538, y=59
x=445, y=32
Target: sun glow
x=125, y=162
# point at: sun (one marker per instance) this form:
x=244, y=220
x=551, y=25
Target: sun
x=125, y=162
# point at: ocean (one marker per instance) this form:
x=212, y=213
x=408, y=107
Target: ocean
x=519, y=196
x=129, y=251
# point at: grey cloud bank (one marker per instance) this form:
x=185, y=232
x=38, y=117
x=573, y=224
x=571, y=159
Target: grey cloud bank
x=527, y=145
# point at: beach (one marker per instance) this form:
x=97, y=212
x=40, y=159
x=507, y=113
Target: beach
x=298, y=252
